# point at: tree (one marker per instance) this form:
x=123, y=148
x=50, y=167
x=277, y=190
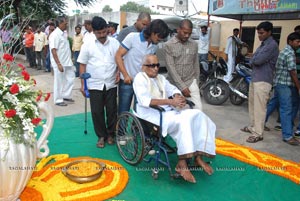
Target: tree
x=107, y=8
x=134, y=7
x=38, y=9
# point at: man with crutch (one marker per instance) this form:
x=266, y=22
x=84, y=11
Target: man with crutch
x=97, y=57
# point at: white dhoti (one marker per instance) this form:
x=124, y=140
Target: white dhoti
x=63, y=83
x=192, y=131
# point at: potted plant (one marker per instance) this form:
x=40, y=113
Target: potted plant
x=20, y=113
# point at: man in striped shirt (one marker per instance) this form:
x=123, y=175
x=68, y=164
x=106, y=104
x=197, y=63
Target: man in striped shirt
x=287, y=87
x=182, y=62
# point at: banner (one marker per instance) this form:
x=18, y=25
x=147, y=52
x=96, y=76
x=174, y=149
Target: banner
x=232, y=7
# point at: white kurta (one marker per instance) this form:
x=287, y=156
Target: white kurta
x=231, y=51
x=191, y=129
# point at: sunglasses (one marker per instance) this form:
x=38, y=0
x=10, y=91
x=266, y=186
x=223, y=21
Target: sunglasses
x=152, y=65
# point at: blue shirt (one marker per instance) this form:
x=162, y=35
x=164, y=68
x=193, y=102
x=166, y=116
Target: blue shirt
x=264, y=60
x=137, y=47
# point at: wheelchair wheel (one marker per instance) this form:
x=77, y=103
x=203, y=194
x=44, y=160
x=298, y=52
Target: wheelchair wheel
x=130, y=138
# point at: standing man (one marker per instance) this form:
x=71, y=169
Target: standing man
x=287, y=87
x=203, y=44
x=88, y=34
x=97, y=57
x=112, y=29
x=231, y=51
x=61, y=61
x=142, y=21
x=182, y=62
x=77, y=42
x=263, y=69
x=5, y=35
x=297, y=29
x=28, y=41
x=51, y=28
x=40, y=41
x=130, y=55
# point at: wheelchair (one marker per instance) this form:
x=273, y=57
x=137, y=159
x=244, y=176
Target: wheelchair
x=139, y=140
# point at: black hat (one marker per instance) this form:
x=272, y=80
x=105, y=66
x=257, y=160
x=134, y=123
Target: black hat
x=113, y=24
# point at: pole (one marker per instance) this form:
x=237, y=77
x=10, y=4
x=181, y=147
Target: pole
x=85, y=76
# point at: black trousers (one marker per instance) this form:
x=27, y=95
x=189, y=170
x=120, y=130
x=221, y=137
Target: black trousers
x=104, y=111
x=30, y=56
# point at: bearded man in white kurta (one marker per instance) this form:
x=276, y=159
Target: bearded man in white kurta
x=191, y=129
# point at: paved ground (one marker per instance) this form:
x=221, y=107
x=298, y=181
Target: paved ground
x=228, y=118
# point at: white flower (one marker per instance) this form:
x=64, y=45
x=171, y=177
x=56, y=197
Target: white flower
x=19, y=112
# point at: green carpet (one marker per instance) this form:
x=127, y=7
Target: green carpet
x=232, y=180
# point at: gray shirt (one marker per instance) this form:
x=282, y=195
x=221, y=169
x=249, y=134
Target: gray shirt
x=125, y=32
x=263, y=61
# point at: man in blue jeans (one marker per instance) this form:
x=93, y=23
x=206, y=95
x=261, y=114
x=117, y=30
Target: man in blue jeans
x=130, y=55
x=287, y=87
x=297, y=29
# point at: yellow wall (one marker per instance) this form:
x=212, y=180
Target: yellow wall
x=287, y=26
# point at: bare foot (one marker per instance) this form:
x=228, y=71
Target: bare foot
x=183, y=170
x=206, y=167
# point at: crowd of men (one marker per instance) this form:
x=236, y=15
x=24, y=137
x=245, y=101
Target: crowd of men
x=123, y=72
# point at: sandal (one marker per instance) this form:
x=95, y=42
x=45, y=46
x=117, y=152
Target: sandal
x=110, y=140
x=292, y=141
x=100, y=143
x=245, y=129
x=267, y=128
x=254, y=139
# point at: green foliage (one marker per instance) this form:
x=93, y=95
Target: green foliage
x=135, y=8
x=107, y=9
x=40, y=10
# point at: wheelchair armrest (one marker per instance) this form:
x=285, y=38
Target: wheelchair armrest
x=190, y=103
x=160, y=109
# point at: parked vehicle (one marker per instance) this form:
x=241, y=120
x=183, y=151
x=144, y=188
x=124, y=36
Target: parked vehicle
x=239, y=85
x=215, y=90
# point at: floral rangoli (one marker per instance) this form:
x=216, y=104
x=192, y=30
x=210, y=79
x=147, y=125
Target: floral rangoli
x=264, y=161
x=49, y=183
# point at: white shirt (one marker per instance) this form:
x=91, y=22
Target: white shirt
x=229, y=46
x=58, y=41
x=137, y=47
x=88, y=36
x=40, y=40
x=100, y=62
x=140, y=87
x=203, y=44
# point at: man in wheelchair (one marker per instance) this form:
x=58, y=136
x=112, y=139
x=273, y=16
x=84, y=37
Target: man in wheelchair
x=191, y=129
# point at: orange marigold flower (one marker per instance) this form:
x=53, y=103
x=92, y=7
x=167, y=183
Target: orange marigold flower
x=8, y=57
x=10, y=113
x=25, y=75
x=36, y=121
x=14, y=89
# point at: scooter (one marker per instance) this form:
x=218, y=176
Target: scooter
x=215, y=90
x=239, y=85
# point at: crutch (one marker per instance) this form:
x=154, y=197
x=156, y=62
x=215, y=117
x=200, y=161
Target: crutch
x=85, y=76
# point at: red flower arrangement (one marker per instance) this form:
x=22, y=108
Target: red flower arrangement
x=19, y=112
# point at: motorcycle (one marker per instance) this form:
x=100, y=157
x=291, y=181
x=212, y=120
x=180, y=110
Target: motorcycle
x=215, y=90
x=239, y=85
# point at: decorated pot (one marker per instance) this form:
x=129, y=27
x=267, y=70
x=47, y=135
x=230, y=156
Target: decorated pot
x=18, y=162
